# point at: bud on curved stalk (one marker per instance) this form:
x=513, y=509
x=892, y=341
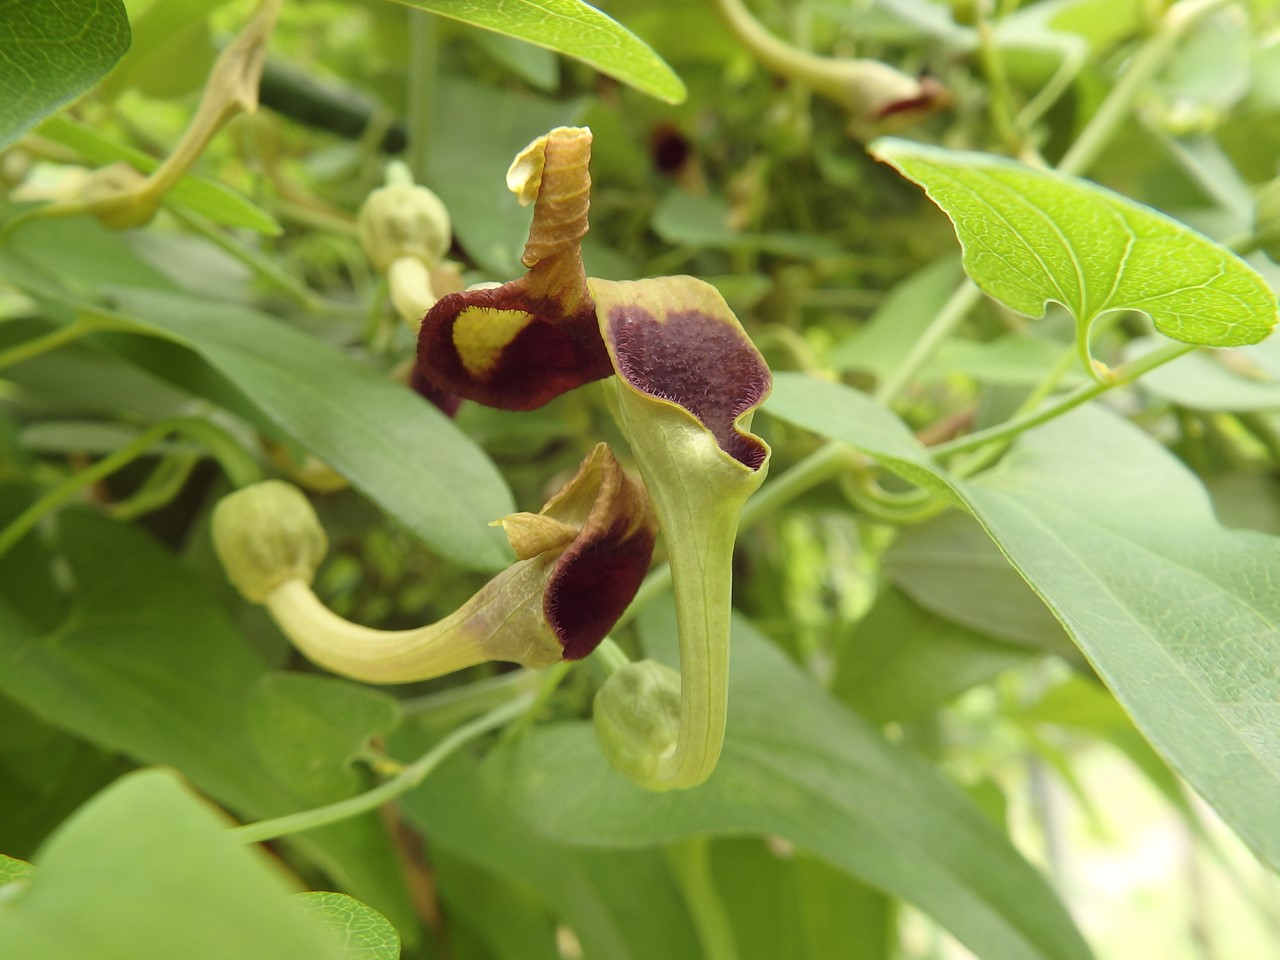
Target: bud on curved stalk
x=581, y=560
x=878, y=97
x=689, y=379
x=637, y=719
x=123, y=198
x=405, y=231
x=517, y=345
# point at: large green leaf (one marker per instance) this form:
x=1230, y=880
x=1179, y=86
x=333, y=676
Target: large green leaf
x=45, y=773
x=798, y=765
x=148, y=871
x=1032, y=236
x=573, y=28
x=790, y=905
x=613, y=900
x=903, y=661
x=50, y=53
x=950, y=567
x=1179, y=616
x=145, y=663
x=394, y=447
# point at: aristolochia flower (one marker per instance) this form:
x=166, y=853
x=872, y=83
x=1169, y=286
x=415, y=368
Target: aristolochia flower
x=518, y=345
x=688, y=379
x=580, y=561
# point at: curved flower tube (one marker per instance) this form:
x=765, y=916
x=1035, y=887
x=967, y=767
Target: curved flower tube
x=688, y=382
x=581, y=560
x=520, y=344
x=876, y=96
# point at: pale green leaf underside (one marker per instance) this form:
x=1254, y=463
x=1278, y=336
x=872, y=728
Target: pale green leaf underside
x=1031, y=236
x=366, y=934
x=50, y=53
x=1179, y=615
x=573, y=28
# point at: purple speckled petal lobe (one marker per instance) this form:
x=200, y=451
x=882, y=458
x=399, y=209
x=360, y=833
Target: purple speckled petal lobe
x=675, y=339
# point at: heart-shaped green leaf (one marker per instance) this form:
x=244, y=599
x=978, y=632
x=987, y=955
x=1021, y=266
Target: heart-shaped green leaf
x=1031, y=236
x=1179, y=615
x=575, y=29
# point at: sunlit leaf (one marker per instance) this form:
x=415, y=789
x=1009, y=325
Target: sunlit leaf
x=50, y=53
x=1033, y=236
x=1179, y=615
x=366, y=934
x=573, y=28
x=12, y=869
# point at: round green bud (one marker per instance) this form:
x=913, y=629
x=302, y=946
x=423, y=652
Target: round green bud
x=637, y=719
x=403, y=220
x=265, y=535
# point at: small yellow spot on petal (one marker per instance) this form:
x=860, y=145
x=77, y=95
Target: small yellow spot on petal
x=480, y=334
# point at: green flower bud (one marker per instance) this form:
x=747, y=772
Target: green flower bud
x=403, y=219
x=637, y=720
x=266, y=535
x=117, y=195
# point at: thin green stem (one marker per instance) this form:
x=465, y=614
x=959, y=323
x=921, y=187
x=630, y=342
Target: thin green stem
x=549, y=681
x=456, y=705
x=263, y=267
x=25, y=521
x=611, y=656
x=968, y=466
x=690, y=862
x=940, y=328
x=1001, y=107
x=164, y=483
x=409, y=779
x=424, y=65
x=1149, y=59
x=37, y=346
x=1120, y=376
x=195, y=429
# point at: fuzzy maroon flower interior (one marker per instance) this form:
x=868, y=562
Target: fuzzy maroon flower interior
x=599, y=573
